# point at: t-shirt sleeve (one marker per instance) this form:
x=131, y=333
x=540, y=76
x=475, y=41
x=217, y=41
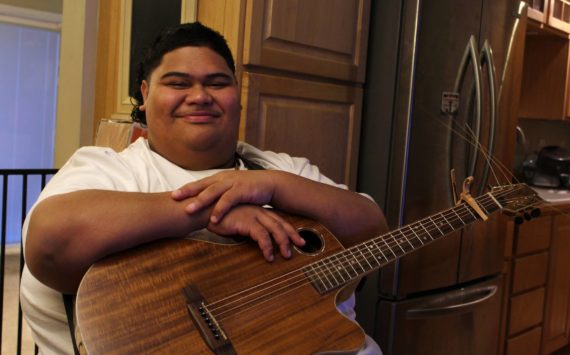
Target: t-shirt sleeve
x=92, y=168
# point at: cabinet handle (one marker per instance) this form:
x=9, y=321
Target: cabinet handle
x=457, y=302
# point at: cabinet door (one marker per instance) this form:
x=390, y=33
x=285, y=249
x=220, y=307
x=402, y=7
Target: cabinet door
x=319, y=37
x=316, y=120
x=543, y=92
x=557, y=318
x=559, y=15
x=537, y=9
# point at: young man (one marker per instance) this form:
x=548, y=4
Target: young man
x=190, y=174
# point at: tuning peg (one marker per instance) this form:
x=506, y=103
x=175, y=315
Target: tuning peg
x=535, y=212
x=519, y=220
x=527, y=216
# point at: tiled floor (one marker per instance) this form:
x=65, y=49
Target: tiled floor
x=10, y=311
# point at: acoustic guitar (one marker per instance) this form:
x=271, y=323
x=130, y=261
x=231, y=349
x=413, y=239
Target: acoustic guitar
x=182, y=296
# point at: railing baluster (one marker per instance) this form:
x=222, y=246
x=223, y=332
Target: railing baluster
x=3, y=250
x=27, y=183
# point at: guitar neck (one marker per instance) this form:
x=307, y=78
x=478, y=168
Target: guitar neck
x=341, y=268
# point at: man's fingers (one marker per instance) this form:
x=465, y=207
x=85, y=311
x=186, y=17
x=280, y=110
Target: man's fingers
x=263, y=239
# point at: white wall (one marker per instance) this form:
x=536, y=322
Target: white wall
x=54, y=6
x=76, y=94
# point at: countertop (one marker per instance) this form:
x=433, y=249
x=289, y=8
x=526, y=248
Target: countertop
x=558, y=200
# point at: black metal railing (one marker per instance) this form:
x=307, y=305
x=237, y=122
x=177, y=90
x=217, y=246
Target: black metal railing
x=20, y=188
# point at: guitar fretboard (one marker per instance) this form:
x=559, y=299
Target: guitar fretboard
x=337, y=270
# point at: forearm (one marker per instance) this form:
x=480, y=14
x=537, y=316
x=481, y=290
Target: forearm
x=351, y=217
x=67, y=233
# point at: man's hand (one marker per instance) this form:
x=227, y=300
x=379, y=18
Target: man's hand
x=262, y=225
x=225, y=190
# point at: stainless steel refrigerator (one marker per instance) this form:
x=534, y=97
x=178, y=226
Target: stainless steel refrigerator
x=442, y=86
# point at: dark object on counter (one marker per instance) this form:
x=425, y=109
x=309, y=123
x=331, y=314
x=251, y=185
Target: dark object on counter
x=551, y=168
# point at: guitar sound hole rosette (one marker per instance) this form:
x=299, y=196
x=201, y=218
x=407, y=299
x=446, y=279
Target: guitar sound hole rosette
x=314, y=242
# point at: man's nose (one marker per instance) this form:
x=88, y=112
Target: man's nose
x=198, y=94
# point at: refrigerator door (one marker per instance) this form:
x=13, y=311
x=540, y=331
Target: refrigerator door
x=502, y=38
x=461, y=321
x=444, y=31
x=467, y=58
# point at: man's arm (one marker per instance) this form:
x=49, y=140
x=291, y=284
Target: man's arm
x=351, y=217
x=67, y=233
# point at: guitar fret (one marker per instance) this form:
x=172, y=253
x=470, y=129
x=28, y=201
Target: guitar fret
x=397, y=243
x=373, y=255
x=484, y=208
x=384, y=240
x=331, y=271
x=315, y=279
x=351, y=265
x=446, y=221
x=407, y=239
x=323, y=275
x=376, y=246
x=428, y=233
x=453, y=210
x=470, y=212
x=366, y=260
x=418, y=237
x=340, y=269
x=435, y=224
x=357, y=256
x=353, y=262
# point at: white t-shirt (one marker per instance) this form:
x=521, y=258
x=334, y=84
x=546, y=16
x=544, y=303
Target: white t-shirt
x=135, y=169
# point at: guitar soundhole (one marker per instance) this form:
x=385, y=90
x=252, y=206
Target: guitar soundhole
x=314, y=242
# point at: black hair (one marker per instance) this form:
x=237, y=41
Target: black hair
x=188, y=34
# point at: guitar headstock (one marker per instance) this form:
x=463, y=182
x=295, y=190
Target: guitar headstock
x=517, y=200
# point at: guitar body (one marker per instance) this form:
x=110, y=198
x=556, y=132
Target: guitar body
x=134, y=301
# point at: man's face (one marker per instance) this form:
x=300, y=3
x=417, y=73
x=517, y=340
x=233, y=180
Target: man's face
x=192, y=106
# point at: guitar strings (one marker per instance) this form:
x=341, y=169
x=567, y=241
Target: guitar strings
x=300, y=282
x=491, y=161
x=297, y=278
x=392, y=244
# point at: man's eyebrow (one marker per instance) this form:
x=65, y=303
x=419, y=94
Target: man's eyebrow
x=188, y=76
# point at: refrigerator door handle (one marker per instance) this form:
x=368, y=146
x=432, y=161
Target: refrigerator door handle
x=469, y=55
x=457, y=302
x=487, y=56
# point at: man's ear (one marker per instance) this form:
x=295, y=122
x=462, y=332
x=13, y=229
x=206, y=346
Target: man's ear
x=144, y=91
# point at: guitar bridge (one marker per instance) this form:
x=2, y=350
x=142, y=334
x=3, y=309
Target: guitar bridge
x=206, y=323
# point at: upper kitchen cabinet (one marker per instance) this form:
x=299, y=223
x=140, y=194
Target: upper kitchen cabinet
x=554, y=13
x=537, y=10
x=321, y=37
x=559, y=15
x=544, y=84
x=301, y=69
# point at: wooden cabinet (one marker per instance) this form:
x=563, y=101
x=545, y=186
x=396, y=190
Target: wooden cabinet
x=537, y=314
x=325, y=38
x=307, y=118
x=559, y=15
x=537, y=9
x=527, y=259
x=544, y=88
x=556, y=332
x=554, y=13
x=302, y=68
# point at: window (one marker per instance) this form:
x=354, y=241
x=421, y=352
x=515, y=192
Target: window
x=28, y=89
